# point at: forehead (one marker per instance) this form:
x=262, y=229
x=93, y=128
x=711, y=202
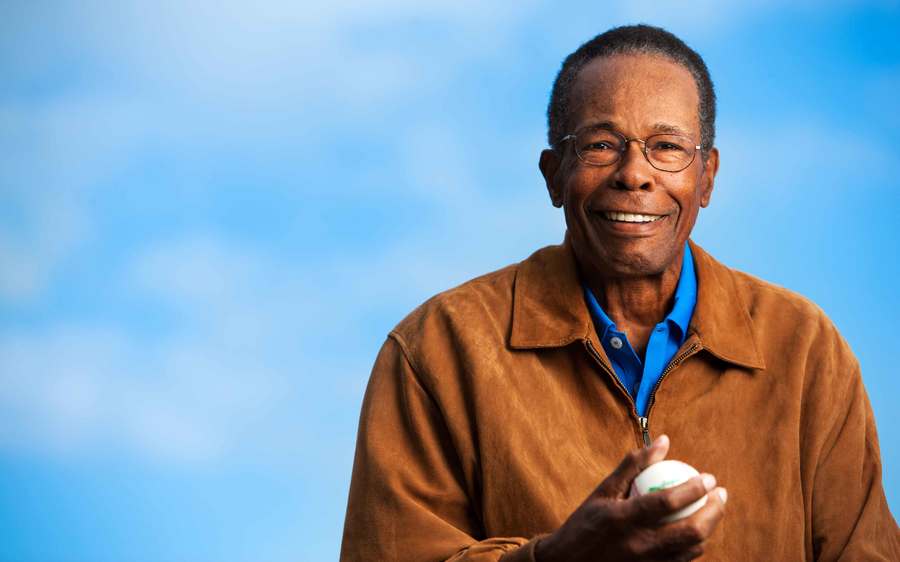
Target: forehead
x=635, y=92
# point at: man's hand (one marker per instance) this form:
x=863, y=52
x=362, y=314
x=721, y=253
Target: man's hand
x=609, y=525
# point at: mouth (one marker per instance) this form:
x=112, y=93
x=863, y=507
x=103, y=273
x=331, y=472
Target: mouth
x=621, y=216
x=631, y=224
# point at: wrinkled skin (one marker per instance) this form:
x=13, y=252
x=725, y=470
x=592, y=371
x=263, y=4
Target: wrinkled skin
x=634, y=274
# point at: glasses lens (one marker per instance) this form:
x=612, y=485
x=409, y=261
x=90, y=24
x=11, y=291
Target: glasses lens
x=599, y=146
x=670, y=152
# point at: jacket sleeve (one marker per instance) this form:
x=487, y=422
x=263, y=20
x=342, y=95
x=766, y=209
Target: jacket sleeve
x=850, y=517
x=408, y=498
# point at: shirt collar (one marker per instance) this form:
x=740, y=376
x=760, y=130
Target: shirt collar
x=685, y=293
x=603, y=322
x=549, y=308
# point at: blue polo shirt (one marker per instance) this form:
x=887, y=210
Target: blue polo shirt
x=665, y=339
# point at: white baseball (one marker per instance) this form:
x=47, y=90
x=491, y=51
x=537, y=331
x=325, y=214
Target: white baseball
x=666, y=474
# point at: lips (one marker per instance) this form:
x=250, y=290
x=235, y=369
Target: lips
x=626, y=216
x=631, y=224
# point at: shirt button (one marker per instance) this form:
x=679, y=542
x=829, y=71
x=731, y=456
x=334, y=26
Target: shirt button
x=616, y=342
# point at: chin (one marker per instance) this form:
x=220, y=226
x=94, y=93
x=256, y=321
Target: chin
x=632, y=264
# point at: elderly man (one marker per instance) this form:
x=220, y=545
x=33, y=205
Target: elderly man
x=505, y=419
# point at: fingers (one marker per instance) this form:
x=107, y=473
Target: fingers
x=619, y=481
x=685, y=537
x=656, y=452
x=652, y=507
x=707, y=517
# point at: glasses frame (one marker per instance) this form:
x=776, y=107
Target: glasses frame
x=626, y=140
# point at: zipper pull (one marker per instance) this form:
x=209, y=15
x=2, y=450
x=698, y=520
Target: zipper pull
x=645, y=430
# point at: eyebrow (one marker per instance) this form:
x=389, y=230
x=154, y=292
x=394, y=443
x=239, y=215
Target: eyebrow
x=659, y=127
x=666, y=128
x=599, y=125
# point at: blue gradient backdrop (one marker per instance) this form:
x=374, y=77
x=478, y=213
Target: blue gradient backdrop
x=211, y=213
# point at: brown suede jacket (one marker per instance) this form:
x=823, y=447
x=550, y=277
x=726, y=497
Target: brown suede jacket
x=492, y=412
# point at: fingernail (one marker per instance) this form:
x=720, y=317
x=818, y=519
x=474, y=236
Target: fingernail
x=660, y=440
x=723, y=493
x=709, y=481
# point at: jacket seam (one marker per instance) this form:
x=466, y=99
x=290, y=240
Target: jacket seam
x=407, y=355
x=416, y=372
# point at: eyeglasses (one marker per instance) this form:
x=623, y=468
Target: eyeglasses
x=600, y=146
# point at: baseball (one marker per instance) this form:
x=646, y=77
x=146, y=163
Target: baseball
x=666, y=474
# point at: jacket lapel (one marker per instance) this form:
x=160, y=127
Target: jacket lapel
x=548, y=307
x=721, y=319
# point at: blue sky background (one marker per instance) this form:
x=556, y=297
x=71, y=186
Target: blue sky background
x=211, y=214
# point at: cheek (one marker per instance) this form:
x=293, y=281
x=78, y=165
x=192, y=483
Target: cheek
x=582, y=182
x=688, y=215
x=575, y=194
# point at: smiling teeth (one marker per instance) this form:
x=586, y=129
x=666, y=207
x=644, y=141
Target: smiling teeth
x=629, y=217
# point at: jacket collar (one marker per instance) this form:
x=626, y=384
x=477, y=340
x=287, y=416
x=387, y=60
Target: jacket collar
x=549, y=308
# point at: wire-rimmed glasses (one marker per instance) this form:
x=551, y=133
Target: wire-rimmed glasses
x=602, y=146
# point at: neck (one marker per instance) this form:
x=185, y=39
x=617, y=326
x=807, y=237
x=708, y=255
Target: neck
x=635, y=300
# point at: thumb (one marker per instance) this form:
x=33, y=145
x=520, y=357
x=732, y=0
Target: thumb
x=619, y=481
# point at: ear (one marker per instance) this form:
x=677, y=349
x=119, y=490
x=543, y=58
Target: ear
x=710, y=168
x=549, y=164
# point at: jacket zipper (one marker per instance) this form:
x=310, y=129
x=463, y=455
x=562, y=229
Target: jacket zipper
x=645, y=429
x=596, y=356
x=643, y=421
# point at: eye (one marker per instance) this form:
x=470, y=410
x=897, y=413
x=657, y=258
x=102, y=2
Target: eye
x=667, y=146
x=599, y=146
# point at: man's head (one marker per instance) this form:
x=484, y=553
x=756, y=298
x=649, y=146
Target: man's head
x=635, y=82
x=631, y=39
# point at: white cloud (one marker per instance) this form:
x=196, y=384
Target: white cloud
x=781, y=161
x=200, y=76
x=286, y=56
x=183, y=399
x=56, y=154
x=55, y=224
x=239, y=369
x=77, y=389
x=711, y=17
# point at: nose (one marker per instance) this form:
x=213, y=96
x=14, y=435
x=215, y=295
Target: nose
x=633, y=171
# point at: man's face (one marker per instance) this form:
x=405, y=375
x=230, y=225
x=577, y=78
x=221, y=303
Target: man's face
x=636, y=95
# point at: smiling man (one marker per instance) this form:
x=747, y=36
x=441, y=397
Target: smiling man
x=505, y=419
